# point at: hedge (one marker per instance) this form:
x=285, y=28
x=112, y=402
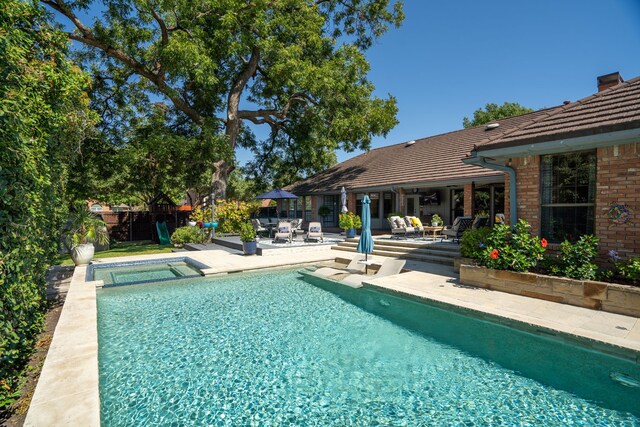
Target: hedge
x=44, y=111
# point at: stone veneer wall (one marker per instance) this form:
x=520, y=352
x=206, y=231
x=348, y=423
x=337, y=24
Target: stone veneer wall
x=608, y=297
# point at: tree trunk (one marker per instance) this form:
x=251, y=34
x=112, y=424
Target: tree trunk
x=219, y=178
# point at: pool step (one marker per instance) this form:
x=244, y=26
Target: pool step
x=418, y=251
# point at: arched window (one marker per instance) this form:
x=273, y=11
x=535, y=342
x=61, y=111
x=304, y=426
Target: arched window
x=96, y=207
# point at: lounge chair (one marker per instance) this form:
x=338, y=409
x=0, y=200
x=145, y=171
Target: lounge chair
x=500, y=219
x=389, y=267
x=315, y=232
x=460, y=225
x=284, y=232
x=353, y=267
x=416, y=224
x=399, y=227
x=258, y=227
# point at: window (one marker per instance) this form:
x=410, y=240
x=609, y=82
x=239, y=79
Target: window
x=568, y=185
x=387, y=204
x=457, y=203
x=374, y=207
x=307, y=208
x=96, y=207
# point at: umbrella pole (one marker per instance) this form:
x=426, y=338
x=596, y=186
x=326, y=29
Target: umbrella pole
x=366, y=263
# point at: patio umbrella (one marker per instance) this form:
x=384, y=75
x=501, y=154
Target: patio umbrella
x=365, y=245
x=343, y=199
x=277, y=194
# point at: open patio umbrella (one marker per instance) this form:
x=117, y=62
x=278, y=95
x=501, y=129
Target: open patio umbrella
x=365, y=245
x=277, y=194
x=343, y=199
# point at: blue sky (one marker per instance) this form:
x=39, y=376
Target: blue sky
x=451, y=57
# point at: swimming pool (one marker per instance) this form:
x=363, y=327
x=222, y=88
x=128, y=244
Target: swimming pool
x=271, y=349
x=134, y=272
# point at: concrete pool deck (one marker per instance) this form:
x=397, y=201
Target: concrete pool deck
x=67, y=391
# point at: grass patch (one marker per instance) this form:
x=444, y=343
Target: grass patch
x=122, y=249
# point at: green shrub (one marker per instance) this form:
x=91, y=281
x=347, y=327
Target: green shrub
x=473, y=242
x=400, y=214
x=350, y=220
x=188, y=234
x=630, y=269
x=517, y=250
x=575, y=260
x=230, y=214
x=247, y=232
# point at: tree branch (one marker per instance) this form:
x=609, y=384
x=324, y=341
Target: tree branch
x=87, y=37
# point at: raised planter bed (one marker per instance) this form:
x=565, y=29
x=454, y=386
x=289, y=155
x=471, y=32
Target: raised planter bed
x=610, y=297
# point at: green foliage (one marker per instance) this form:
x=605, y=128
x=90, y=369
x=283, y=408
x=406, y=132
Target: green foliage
x=350, y=220
x=324, y=211
x=630, y=269
x=156, y=157
x=44, y=117
x=517, y=250
x=437, y=219
x=188, y=234
x=247, y=232
x=473, y=242
x=85, y=227
x=400, y=214
x=575, y=260
x=230, y=214
x=494, y=112
x=298, y=67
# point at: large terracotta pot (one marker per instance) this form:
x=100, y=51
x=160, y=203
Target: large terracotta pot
x=82, y=254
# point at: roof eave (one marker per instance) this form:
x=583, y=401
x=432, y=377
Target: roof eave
x=561, y=145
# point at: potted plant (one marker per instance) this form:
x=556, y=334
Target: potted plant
x=248, y=238
x=85, y=229
x=349, y=222
x=436, y=220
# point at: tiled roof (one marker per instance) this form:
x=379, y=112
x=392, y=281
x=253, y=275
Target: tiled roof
x=614, y=109
x=436, y=159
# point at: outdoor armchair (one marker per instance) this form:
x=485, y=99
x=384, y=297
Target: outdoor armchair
x=315, y=232
x=460, y=225
x=258, y=227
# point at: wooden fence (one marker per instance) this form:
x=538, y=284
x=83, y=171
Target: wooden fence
x=136, y=226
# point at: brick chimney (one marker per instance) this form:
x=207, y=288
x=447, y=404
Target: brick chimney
x=609, y=80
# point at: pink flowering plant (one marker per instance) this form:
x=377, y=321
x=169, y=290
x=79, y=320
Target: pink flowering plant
x=515, y=250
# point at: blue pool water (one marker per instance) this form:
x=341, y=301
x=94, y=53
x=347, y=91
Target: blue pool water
x=270, y=349
x=127, y=273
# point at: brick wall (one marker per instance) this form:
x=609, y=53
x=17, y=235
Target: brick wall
x=528, y=191
x=314, y=208
x=618, y=181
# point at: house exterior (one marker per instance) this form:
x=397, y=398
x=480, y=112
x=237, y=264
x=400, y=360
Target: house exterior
x=421, y=178
x=576, y=169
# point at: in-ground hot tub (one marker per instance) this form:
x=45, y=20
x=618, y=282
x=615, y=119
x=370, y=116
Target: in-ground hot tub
x=134, y=272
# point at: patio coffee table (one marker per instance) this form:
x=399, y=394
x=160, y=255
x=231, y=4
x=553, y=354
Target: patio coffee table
x=434, y=230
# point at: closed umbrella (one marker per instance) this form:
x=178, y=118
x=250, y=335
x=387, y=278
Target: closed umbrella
x=365, y=245
x=343, y=199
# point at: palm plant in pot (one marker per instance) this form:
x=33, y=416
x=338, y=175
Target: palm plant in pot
x=248, y=238
x=85, y=229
